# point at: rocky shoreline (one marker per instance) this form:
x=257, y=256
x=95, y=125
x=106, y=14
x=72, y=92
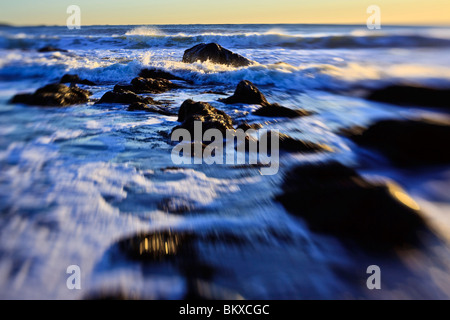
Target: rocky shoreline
x=335, y=199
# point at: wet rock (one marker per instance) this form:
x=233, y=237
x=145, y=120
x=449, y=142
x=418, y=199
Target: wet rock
x=406, y=95
x=57, y=95
x=336, y=200
x=211, y=118
x=246, y=92
x=287, y=143
x=124, y=97
x=158, y=74
x=73, y=78
x=406, y=143
x=158, y=246
x=149, y=85
x=219, y=93
x=246, y=126
x=275, y=111
x=139, y=106
x=51, y=49
x=216, y=54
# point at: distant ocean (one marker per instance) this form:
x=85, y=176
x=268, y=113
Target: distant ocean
x=75, y=180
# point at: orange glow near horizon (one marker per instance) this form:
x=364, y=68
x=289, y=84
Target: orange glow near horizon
x=135, y=12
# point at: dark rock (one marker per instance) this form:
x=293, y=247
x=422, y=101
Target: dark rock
x=247, y=92
x=158, y=74
x=336, y=200
x=275, y=110
x=246, y=126
x=124, y=97
x=290, y=144
x=73, y=78
x=57, y=95
x=149, y=85
x=412, y=96
x=406, y=142
x=123, y=87
x=51, y=49
x=216, y=54
x=211, y=118
x=219, y=93
x=139, y=106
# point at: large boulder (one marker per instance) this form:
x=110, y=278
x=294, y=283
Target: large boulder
x=407, y=95
x=246, y=92
x=54, y=95
x=406, y=143
x=216, y=54
x=211, y=118
x=336, y=200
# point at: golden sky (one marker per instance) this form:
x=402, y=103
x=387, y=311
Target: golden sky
x=50, y=12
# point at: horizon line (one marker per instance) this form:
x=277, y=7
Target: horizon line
x=444, y=24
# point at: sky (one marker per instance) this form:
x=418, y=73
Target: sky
x=138, y=12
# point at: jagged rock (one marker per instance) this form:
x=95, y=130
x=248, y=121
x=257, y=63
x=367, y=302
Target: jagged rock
x=216, y=54
x=246, y=92
x=210, y=117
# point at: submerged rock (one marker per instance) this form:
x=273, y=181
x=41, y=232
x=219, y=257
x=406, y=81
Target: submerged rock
x=57, y=95
x=211, y=118
x=275, y=110
x=406, y=142
x=246, y=126
x=147, y=85
x=51, y=49
x=158, y=74
x=216, y=54
x=334, y=199
x=246, y=92
x=73, y=78
x=124, y=97
x=290, y=144
x=412, y=96
x=139, y=106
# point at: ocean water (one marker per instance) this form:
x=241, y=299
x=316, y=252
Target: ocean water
x=76, y=180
